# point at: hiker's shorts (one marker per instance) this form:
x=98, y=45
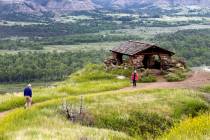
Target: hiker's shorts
x=28, y=100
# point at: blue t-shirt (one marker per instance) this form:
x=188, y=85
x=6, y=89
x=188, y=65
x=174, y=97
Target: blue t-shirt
x=28, y=92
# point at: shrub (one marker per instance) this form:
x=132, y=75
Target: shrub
x=192, y=108
x=111, y=121
x=177, y=75
x=148, y=79
x=77, y=114
x=205, y=88
x=146, y=125
x=172, y=77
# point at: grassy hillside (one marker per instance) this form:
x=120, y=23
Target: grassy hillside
x=115, y=114
x=88, y=80
x=141, y=114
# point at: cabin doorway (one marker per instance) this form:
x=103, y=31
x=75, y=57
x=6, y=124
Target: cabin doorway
x=119, y=59
x=151, y=62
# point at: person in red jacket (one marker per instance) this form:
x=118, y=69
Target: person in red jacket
x=134, y=78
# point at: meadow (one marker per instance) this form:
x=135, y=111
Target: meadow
x=77, y=84
x=12, y=88
x=13, y=23
x=116, y=114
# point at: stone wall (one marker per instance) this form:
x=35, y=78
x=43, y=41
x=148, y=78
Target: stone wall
x=137, y=60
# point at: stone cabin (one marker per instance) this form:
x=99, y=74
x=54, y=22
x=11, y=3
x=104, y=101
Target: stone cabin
x=141, y=55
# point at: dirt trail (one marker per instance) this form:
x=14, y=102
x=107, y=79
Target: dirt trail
x=197, y=79
x=2, y=114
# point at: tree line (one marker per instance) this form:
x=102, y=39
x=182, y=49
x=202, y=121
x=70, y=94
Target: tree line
x=58, y=29
x=34, y=66
x=19, y=44
x=85, y=38
x=34, y=43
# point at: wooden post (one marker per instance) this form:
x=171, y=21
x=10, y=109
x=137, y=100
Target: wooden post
x=161, y=63
x=81, y=105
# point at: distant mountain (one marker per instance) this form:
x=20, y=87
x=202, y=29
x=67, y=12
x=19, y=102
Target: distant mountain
x=65, y=5
x=56, y=6
x=39, y=6
x=159, y=3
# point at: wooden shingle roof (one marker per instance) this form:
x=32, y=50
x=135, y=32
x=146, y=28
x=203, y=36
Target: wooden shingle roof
x=134, y=47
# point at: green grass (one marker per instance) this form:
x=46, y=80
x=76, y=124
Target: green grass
x=149, y=32
x=118, y=111
x=43, y=119
x=122, y=71
x=117, y=114
x=73, y=48
x=84, y=46
x=91, y=79
x=45, y=122
x=18, y=87
x=91, y=87
x=92, y=73
x=11, y=101
x=205, y=88
x=112, y=110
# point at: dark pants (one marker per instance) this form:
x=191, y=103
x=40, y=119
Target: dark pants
x=134, y=83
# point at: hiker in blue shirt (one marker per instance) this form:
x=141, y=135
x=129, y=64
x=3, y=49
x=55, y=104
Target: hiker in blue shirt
x=28, y=96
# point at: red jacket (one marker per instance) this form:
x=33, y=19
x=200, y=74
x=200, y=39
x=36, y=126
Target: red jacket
x=136, y=77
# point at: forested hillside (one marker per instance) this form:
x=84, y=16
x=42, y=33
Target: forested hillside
x=45, y=66
x=193, y=45
x=56, y=29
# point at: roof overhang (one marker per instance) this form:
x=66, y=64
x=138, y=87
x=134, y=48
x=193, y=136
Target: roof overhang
x=132, y=54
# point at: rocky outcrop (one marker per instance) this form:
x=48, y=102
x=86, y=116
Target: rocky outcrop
x=160, y=3
x=73, y=5
x=39, y=6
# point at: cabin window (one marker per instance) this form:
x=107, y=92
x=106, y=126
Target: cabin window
x=126, y=59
